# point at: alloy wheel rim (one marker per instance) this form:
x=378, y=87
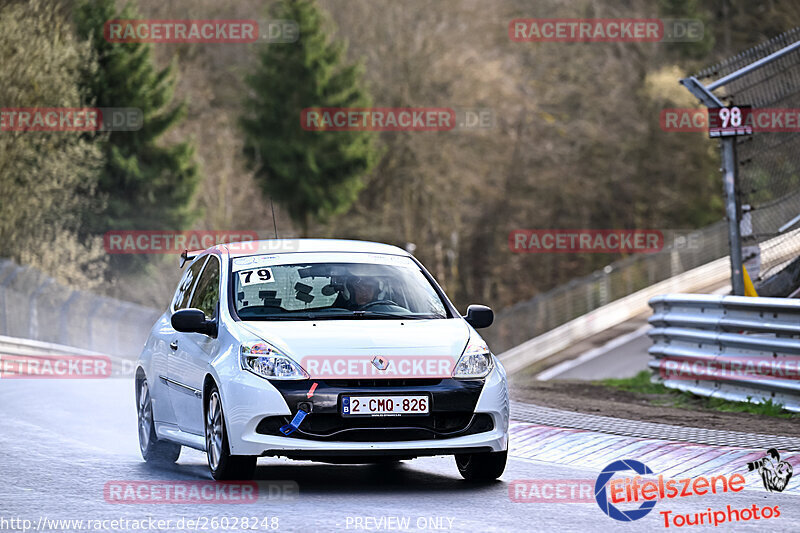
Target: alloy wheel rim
x=145, y=416
x=214, y=430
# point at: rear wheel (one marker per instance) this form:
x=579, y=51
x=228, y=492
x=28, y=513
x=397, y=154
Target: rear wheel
x=481, y=466
x=223, y=465
x=153, y=450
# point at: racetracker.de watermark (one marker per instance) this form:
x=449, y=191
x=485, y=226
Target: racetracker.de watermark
x=145, y=522
x=534, y=241
x=395, y=119
x=55, y=366
x=722, y=368
x=198, y=492
x=566, y=30
x=81, y=119
x=200, y=31
x=551, y=491
x=376, y=367
x=761, y=120
x=167, y=242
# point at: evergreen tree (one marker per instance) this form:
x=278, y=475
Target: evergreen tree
x=146, y=185
x=312, y=174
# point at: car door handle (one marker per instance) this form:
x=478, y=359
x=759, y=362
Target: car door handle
x=174, y=345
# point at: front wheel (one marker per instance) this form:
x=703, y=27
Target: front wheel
x=223, y=465
x=486, y=466
x=153, y=450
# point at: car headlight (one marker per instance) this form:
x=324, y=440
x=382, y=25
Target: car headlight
x=476, y=362
x=268, y=362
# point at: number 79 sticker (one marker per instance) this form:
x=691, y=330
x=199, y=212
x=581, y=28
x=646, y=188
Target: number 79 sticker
x=259, y=275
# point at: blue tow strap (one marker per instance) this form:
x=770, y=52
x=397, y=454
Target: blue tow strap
x=288, y=429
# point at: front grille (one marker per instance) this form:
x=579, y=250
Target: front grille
x=382, y=382
x=332, y=427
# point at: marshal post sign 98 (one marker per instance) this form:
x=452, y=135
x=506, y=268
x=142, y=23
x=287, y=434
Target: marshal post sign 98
x=730, y=121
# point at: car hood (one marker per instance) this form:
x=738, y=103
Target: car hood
x=435, y=337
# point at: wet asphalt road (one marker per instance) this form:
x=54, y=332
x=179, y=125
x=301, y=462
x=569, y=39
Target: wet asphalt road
x=62, y=441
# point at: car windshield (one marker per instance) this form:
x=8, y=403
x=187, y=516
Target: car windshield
x=264, y=290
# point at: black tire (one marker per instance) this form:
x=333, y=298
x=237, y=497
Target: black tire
x=153, y=450
x=387, y=463
x=225, y=467
x=481, y=466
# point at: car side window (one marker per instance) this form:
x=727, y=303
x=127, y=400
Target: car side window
x=184, y=291
x=206, y=295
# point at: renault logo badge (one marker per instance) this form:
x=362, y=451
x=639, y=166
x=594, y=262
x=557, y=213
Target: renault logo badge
x=380, y=363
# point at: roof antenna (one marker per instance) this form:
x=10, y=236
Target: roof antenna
x=274, y=224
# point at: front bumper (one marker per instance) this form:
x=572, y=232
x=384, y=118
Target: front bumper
x=466, y=416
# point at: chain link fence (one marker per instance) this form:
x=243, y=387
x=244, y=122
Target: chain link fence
x=768, y=162
x=34, y=306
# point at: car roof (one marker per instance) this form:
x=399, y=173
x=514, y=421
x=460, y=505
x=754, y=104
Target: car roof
x=278, y=246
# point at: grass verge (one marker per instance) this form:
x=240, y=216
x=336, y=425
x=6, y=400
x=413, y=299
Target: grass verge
x=658, y=394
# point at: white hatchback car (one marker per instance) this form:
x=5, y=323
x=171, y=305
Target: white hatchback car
x=327, y=350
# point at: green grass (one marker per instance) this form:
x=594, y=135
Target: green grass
x=639, y=383
x=661, y=395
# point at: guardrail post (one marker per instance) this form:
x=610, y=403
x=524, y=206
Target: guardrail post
x=605, y=285
x=5, y=290
x=63, y=333
x=33, y=312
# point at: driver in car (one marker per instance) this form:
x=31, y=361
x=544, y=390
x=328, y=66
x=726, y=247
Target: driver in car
x=363, y=291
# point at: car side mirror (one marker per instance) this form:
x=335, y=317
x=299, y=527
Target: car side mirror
x=193, y=321
x=479, y=316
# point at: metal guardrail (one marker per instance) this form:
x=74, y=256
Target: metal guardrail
x=732, y=347
x=14, y=349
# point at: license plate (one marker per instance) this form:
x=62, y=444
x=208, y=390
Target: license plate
x=385, y=405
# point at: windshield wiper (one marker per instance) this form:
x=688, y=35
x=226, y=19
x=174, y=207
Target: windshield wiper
x=367, y=313
x=278, y=317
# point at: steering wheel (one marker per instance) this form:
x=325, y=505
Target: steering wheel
x=378, y=302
